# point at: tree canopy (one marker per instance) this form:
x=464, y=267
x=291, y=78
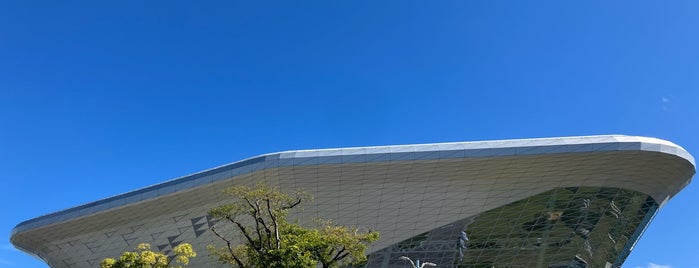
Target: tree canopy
x=259, y=215
x=143, y=257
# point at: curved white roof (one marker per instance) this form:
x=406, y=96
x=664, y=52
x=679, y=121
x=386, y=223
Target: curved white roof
x=400, y=191
x=453, y=150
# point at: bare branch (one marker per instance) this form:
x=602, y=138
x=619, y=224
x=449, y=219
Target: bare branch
x=337, y=256
x=261, y=220
x=275, y=225
x=245, y=233
x=292, y=205
x=230, y=247
x=257, y=223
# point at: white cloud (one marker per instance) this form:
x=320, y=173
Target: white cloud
x=653, y=265
x=664, y=102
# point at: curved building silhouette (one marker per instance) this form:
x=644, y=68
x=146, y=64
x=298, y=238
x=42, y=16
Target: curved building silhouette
x=554, y=202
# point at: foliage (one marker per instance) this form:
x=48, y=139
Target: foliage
x=270, y=240
x=143, y=257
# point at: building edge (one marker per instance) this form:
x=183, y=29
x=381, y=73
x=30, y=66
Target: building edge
x=474, y=149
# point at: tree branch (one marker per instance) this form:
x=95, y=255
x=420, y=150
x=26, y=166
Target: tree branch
x=245, y=232
x=320, y=258
x=337, y=256
x=275, y=225
x=256, y=212
x=261, y=220
x=169, y=260
x=230, y=248
x=292, y=205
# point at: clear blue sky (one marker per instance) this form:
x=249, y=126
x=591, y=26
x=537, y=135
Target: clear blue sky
x=102, y=97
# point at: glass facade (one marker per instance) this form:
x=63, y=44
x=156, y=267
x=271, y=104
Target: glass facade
x=564, y=227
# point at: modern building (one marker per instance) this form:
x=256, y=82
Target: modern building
x=555, y=202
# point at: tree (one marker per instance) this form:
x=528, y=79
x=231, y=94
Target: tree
x=259, y=215
x=143, y=257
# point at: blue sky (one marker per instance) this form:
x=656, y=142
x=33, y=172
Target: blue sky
x=99, y=98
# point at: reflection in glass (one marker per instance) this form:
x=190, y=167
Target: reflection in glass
x=565, y=227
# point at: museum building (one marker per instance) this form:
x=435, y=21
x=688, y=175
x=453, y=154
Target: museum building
x=551, y=203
